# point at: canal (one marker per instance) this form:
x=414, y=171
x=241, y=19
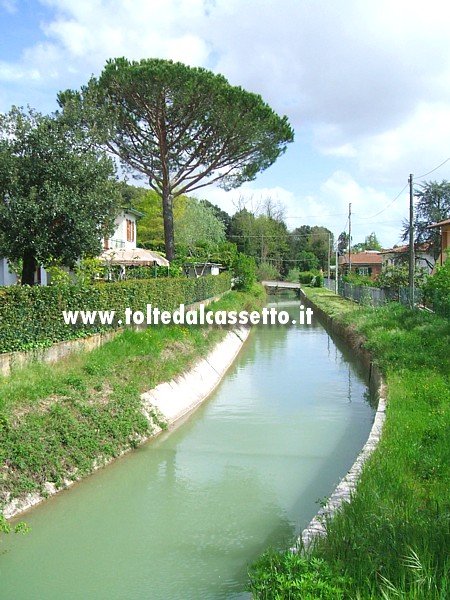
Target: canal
x=183, y=516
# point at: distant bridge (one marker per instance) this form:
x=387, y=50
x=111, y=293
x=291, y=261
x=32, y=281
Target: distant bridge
x=280, y=285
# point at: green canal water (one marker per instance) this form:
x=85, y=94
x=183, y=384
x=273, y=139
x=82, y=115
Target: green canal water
x=183, y=516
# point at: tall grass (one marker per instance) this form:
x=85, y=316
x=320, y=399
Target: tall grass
x=392, y=540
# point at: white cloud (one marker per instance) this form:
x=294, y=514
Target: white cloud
x=371, y=210
x=329, y=207
x=356, y=74
x=9, y=6
x=417, y=145
x=366, y=83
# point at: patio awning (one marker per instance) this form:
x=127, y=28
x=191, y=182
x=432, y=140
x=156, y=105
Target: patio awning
x=138, y=257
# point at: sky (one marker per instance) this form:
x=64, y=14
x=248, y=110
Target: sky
x=365, y=84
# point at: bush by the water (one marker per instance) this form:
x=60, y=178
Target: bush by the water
x=244, y=269
x=306, y=277
x=266, y=271
x=31, y=317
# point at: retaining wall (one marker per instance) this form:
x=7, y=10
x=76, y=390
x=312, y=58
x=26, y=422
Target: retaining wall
x=173, y=400
x=348, y=484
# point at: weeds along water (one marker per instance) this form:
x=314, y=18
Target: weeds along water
x=392, y=540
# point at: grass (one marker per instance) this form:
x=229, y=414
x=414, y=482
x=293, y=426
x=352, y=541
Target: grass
x=57, y=421
x=392, y=540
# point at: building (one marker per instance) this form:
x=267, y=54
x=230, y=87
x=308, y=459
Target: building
x=423, y=255
x=8, y=276
x=124, y=230
x=120, y=249
x=366, y=263
x=202, y=269
x=445, y=240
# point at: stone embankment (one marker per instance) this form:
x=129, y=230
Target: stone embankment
x=348, y=484
x=173, y=400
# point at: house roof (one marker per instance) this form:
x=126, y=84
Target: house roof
x=135, y=256
x=202, y=264
x=364, y=258
x=133, y=211
x=425, y=247
x=444, y=222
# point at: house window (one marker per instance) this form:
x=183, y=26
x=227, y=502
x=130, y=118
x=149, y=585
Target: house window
x=363, y=271
x=130, y=230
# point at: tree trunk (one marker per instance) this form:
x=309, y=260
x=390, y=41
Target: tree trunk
x=28, y=268
x=168, y=224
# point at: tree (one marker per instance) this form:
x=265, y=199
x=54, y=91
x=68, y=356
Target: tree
x=317, y=240
x=221, y=215
x=181, y=127
x=343, y=240
x=242, y=232
x=433, y=206
x=198, y=224
x=262, y=237
x=307, y=261
x=58, y=196
x=370, y=243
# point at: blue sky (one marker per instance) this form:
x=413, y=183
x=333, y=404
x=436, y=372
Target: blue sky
x=365, y=85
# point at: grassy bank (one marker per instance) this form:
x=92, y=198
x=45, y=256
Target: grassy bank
x=58, y=421
x=392, y=541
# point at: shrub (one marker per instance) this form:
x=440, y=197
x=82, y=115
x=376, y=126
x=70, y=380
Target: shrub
x=437, y=289
x=267, y=271
x=31, y=317
x=306, y=277
x=398, y=276
x=355, y=279
x=244, y=269
x=293, y=275
x=318, y=280
x=153, y=272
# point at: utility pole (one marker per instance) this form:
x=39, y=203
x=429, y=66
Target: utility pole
x=336, y=278
x=411, y=239
x=329, y=257
x=350, y=238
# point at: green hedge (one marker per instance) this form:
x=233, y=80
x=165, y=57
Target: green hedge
x=306, y=277
x=31, y=317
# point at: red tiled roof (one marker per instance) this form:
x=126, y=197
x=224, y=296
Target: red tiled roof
x=364, y=258
x=400, y=249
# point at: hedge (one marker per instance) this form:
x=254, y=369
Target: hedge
x=306, y=277
x=31, y=317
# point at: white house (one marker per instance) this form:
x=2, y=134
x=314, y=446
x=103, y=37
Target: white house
x=125, y=230
x=121, y=249
x=123, y=239
x=423, y=254
x=8, y=277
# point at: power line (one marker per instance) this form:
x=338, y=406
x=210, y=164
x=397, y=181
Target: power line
x=345, y=226
x=281, y=234
x=435, y=169
x=386, y=207
x=314, y=216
